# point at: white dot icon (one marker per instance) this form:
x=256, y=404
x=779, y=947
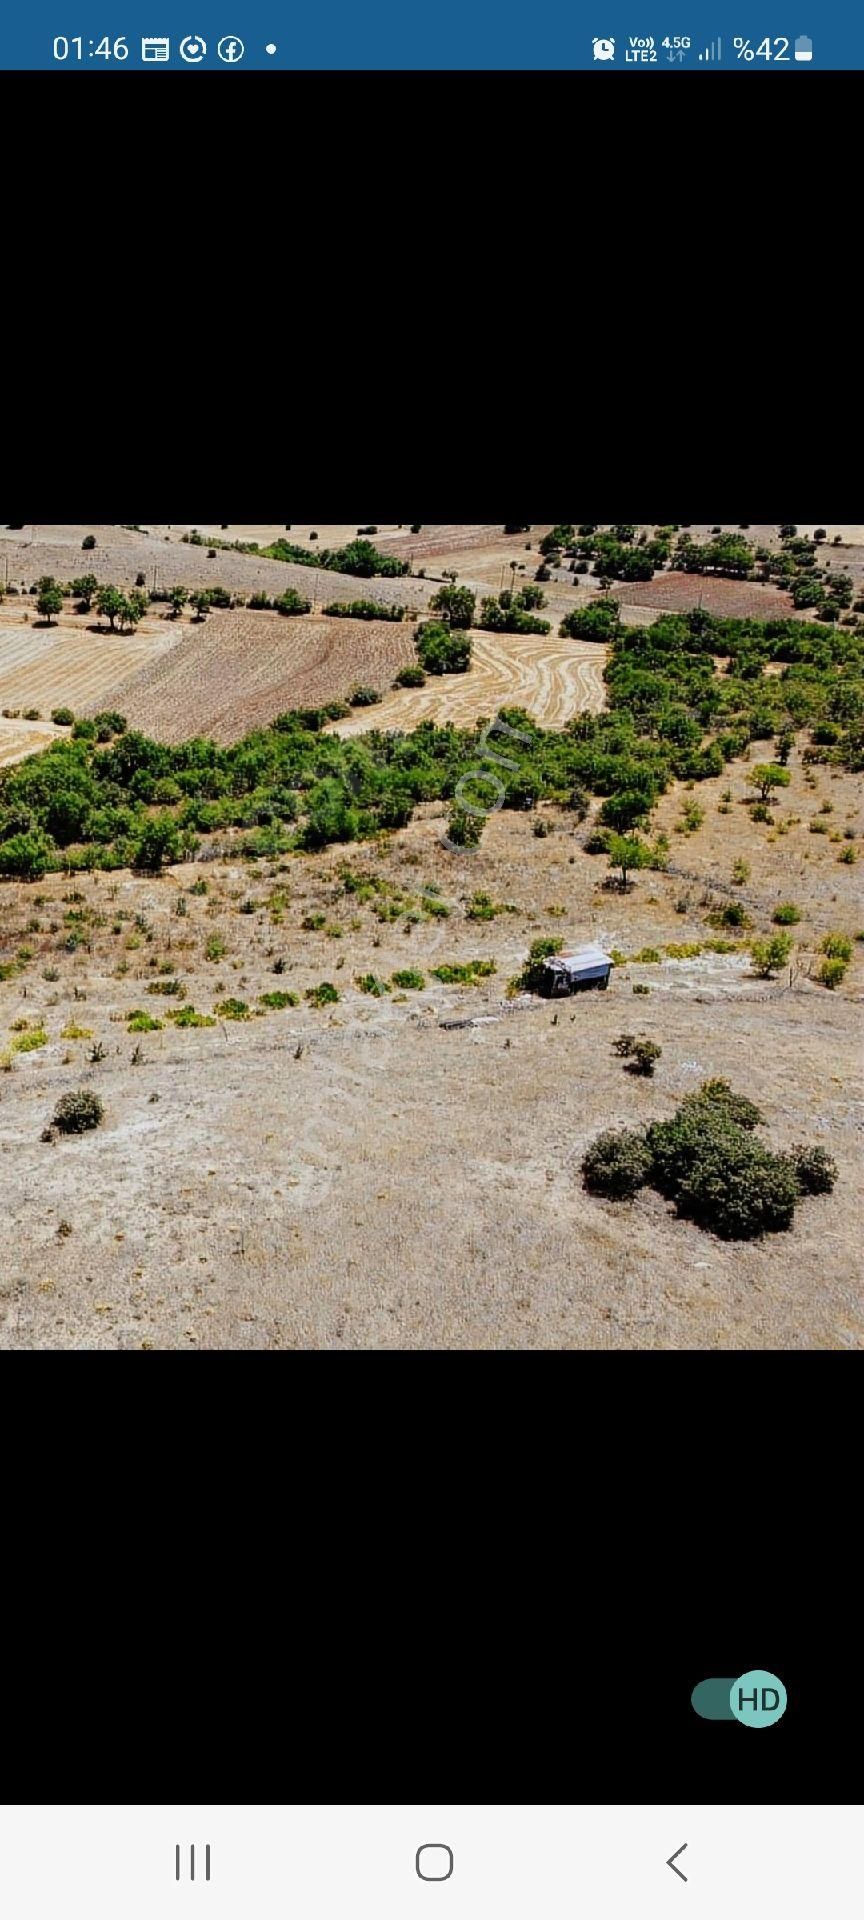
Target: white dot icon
x=270, y=48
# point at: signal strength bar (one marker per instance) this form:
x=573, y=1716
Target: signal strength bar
x=713, y=51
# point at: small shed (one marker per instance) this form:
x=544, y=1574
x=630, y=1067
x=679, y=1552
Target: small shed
x=577, y=968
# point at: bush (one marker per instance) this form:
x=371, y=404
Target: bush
x=78, y=1112
x=410, y=677
x=187, y=1017
x=530, y=980
x=786, y=915
x=27, y=856
x=732, y=915
x=718, y=1174
x=463, y=829
x=409, y=980
x=232, y=1010
x=88, y=543
x=814, y=1169
x=769, y=955
x=464, y=974
x=644, y=1057
x=142, y=1022
x=364, y=697
x=718, y=1097
x=369, y=983
x=837, y=946
x=279, y=1000
x=63, y=717
x=616, y=1165
x=738, y=1189
x=832, y=972
x=292, y=602
x=324, y=995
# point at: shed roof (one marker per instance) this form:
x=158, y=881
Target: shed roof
x=586, y=956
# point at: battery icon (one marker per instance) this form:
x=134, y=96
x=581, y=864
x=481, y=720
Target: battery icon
x=803, y=47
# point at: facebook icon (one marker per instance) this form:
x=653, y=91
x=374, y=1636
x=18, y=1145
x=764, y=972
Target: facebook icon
x=230, y=50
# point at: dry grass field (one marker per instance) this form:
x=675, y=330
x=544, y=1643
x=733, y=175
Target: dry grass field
x=366, y=1176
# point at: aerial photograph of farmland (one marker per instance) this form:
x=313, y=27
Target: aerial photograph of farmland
x=431, y=937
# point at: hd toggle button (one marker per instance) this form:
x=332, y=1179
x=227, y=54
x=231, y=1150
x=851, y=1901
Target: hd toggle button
x=757, y=1699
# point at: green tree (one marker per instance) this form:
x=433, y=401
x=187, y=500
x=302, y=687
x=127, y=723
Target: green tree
x=158, y=845
x=26, y=856
x=766, y=777
x=591, y=623
x=201, y=603
x=560, y=536
x=456, y=604
x=50, y=603
x=111, y=604
x=84, y=589
x=440, y=650
x=178, y=598
x=768, y=956
x=627, y=853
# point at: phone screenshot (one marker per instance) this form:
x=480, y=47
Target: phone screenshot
x=432, y=936
x=611, y=36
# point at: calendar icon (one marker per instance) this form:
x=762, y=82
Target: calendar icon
x=154, y=49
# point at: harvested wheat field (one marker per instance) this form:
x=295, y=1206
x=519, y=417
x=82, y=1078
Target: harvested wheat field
x=552, y=679
x=371, y=1175
x=75, y=663
x=239, y=670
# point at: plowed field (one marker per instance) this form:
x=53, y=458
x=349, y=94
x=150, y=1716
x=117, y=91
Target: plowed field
x=238, y=670
x=678, y=592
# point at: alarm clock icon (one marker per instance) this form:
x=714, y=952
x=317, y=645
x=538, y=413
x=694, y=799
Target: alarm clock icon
x=604, y=49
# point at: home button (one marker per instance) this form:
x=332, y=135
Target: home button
x=434, y=1862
